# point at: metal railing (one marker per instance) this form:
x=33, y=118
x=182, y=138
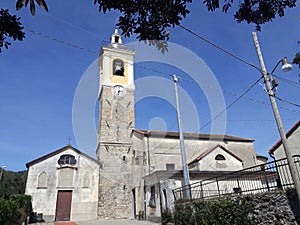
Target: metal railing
x=262, y=178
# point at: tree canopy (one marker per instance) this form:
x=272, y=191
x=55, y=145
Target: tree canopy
x=150, y=19
x=12, y=183
x=10, y=27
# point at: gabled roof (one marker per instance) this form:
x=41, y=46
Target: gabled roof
x=212, y=149
x=40, y=159
x=197, y=136
x=289, y=133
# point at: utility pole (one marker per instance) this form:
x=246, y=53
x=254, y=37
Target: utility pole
x=186, y=177
x=291, y=164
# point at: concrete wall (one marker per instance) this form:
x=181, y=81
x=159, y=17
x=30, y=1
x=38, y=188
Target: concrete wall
x=83, y=181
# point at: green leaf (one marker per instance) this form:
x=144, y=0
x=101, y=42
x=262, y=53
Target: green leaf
x=32, y=7
x=42, y=4
x=20, y=4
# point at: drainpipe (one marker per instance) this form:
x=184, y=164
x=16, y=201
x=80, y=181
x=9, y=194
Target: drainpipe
x=148, y=152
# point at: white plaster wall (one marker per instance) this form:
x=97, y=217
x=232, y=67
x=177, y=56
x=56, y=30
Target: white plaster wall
x=163, y=150
x=84, y=200
x=261, y=160
x=294, y=145
x=43, y=200
x=208, y=163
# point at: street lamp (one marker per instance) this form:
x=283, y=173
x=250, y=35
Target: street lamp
x=185, y=169
x=1, y=171
x=285, y=67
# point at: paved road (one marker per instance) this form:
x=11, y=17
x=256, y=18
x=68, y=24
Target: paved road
x=117, y=222
x=107, y=222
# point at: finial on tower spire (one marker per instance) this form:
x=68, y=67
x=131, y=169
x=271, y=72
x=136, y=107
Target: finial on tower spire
x=116, y=39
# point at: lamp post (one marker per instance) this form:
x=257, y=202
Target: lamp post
x=186, y=177
x=1, y=171
x=285, y=67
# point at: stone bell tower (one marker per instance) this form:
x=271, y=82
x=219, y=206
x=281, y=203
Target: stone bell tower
x=116, y=121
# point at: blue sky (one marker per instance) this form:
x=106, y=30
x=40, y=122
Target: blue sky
x=39, y=77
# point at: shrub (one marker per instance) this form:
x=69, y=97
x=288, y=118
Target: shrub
x=183, y=214
x=15, y=209
x=166, y=217
x=221, y=212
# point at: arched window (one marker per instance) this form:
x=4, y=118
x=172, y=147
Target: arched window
x=86, y=181
x=220, y=157
x=118, y=67
x=67, y=160
x=42, y=180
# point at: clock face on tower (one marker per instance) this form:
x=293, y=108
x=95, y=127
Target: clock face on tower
x=119, y=91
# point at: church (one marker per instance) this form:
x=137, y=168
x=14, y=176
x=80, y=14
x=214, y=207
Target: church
x=134, y=171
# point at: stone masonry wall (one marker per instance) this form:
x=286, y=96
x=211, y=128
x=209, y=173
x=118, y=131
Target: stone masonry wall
x=115, y=200
x=270, y=208
x=276, y=208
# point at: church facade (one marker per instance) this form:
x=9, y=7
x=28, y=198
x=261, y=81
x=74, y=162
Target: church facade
x=64, y=185
x=135, y=170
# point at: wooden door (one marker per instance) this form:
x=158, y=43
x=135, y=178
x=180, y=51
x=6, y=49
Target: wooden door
x=63, y=206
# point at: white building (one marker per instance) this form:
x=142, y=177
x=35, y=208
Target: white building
x=293, y=138
x=277, y=152
x=64, y=185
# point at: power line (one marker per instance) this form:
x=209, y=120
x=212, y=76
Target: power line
x=290, y=82
x=259, y=120
x=289, y=102
x=48, y=14
x=245, y=97
x=237, y=99
x=218, y=47
x=244, y=61
x=60, y=41
x=153, y=70
x=261, y=102
x=88, y=50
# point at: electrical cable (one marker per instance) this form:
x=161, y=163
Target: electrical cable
x=60, y=41
x=289, y=102
x=153, y=70
x=237, y=99
x=48, y=14
x=290, y=82
x=220, y=48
